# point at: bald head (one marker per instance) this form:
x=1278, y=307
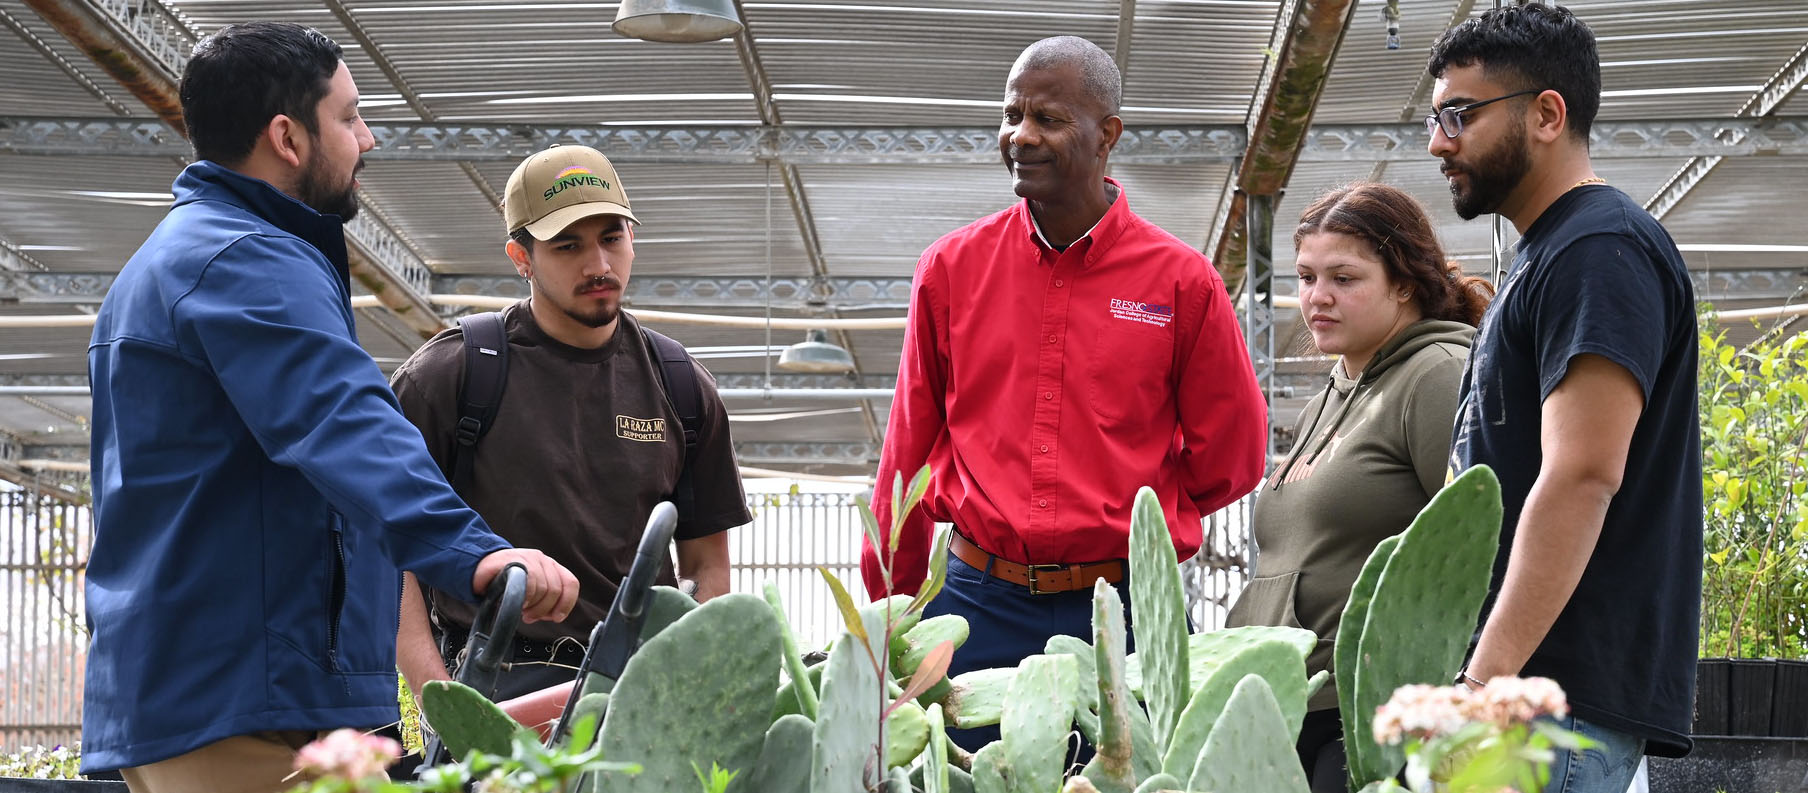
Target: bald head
x=1098, y=72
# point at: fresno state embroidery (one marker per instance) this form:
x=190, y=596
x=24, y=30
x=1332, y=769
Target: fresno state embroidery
x=643, y=430
x=1146, y=313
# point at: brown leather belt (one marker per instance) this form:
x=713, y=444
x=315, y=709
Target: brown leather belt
x=1041, y=579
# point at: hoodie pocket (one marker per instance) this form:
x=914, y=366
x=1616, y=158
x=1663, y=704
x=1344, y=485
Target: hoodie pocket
x=1266, y=601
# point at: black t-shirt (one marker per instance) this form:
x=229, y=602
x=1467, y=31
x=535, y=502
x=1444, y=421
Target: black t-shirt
x=583, y=447
x=1597, y=275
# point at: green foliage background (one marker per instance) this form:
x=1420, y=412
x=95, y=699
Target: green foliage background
x=1754, y=414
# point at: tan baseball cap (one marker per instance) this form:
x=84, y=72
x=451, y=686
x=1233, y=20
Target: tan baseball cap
x=560, y=186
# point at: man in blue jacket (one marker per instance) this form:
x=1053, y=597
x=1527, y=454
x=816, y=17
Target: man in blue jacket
x=257, y=491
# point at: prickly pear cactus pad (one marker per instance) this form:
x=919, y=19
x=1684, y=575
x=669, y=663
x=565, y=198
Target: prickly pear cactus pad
x=847, y=726
x=1283, y=668
x=1359, y=748
x=1062, y=644
x=665, y=607
x=1158, y=782
x=1426, y=603
x=990, y=772
x=1158, y=608
x=466, y=720
x=784, y=765
x=1112, y=766
x=977, y=698
x=906, y=733
x=1203, y=647
x=1251, y=749
x=1038, y=715
x=919, y=640
x=700, y=692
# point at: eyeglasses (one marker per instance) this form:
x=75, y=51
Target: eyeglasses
x=1451, y=118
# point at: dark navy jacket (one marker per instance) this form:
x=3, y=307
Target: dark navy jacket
x=256, y=489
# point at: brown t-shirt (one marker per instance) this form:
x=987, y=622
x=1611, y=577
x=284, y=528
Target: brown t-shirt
x=583, y=447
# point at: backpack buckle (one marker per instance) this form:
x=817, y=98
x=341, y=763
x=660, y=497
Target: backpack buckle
x=467, y=431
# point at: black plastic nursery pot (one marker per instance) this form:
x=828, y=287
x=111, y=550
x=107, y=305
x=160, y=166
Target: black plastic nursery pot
x=1751, y=697
x=11, y=785
x=1751, y=730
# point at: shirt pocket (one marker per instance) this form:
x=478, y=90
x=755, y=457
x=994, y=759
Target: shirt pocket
x=1130, y=372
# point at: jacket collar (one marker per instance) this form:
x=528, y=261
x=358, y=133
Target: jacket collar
x=207, y=180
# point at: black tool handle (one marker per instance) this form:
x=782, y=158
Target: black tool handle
x=491, y=639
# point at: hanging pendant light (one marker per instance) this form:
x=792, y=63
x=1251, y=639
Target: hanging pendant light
x=677, y=21
x=816, y=355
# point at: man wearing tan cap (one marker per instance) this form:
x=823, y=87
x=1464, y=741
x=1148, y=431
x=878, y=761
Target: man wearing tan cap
x=584, y=441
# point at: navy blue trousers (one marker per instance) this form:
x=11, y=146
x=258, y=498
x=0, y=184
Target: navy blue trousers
x=1008, y=624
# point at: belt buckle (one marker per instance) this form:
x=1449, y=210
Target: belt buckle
x=1035, y=588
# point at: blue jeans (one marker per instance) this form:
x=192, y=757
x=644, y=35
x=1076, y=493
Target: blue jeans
x=1607, y=768
x=1007, y=624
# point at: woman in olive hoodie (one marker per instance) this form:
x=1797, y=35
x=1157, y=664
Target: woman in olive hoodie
x=1371, y=448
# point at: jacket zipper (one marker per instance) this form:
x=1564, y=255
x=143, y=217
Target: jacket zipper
x=337, y=601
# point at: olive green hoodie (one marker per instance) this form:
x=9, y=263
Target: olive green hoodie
x=1370, y=453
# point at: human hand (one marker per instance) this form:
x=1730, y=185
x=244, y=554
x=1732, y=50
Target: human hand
x=552, y=590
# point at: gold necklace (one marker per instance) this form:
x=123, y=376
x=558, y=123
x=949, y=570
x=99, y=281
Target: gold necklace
x=1588, y=181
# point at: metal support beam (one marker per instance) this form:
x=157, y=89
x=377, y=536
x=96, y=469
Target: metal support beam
x=1258, y=316
x=800, y=294
x=1761, y=105
x=1140, y=145
x=407, y=92
x=761, y=85
x=1308, y=34
x=1416, y=105
x=144, y=45
x=50, y=54
x=822, y=452
x=817, y=381
x=17, y=285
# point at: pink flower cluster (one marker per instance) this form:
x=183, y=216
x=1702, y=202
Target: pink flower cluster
x=1426, y=712
x=348, y=754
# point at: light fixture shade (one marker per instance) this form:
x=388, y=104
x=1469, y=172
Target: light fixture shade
x=816, y=355
x=677, y=21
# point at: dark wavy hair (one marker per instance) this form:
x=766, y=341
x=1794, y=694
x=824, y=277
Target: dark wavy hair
x=1396, y=224
x=1530, y=47
x=246, y=74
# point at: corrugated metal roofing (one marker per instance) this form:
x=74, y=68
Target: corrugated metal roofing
x=938, y=63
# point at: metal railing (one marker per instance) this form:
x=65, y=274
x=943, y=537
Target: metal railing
x=44, y=547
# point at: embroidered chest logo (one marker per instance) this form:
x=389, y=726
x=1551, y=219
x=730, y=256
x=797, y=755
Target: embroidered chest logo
x=1146, y=313
x=643, y=430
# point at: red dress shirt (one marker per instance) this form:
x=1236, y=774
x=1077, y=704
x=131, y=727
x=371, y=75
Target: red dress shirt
x=1044, y=387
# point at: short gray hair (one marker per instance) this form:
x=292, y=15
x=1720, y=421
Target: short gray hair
x=1098, y=72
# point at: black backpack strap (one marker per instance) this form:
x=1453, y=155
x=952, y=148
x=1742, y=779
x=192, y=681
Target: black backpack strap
x=679, y=377
x=486, y=374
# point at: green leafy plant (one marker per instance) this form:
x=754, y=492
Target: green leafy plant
x=38, y=762
x=1461, y=741
x=716, y=781
x=346, y=761
x=1754, y=419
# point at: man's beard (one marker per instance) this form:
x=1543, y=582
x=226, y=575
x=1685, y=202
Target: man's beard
x=327, y=199
x=1492, y=176
x=602, y=315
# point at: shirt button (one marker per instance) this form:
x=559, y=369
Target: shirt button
x=1059, y=283
x=1042, y=503
x=1051, y=339
x=1048, y=395
x=1045, y=448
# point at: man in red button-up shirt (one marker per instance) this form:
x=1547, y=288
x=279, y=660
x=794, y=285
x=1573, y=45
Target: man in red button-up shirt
x=1061, y=354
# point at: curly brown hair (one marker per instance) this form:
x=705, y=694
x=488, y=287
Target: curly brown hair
x=1396, y=224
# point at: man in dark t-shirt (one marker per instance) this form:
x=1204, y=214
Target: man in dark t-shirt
x=1580, y=395
x=586, y=441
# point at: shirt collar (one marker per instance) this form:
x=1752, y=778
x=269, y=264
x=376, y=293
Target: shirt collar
x=1100, y=236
